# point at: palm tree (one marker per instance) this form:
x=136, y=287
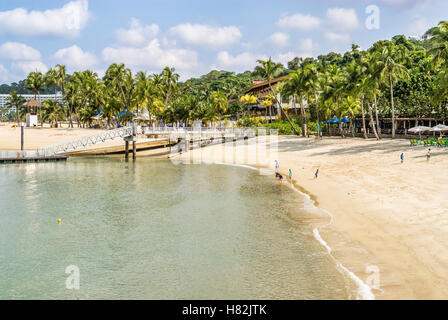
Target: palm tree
x=169, y=82
x=298, y=84
x=391, y=70
x=357, y=82
x=269, y=70
x=61, y=79
x=51, y=79
x=53, y=110
x=219, y=102
x=439, y=51
x=439, y=44
x=35, y=82
x=118, y=76
x=315, y=84
x=15, y=101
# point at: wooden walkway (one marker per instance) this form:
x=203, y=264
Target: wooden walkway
x=33, y=159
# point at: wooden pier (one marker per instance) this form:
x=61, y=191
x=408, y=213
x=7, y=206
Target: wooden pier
x=33, y=159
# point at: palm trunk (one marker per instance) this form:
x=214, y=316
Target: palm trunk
x=303, y=116
x=363, y=118
x=351, y=128
x=70, y=121
x=378, y=128
x=281, y=109
x=392, y=105
x=294, y=104
x=372, y=122
x=316, y=98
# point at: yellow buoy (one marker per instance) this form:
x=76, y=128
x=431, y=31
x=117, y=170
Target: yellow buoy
x=59, y=221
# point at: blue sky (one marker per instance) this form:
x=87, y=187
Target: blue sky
x=195, y=36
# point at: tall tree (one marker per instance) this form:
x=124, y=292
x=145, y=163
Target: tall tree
x=269, y=70
x=15, y=101
x=389, y=62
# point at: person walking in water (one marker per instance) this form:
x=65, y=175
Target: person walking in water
x=428, y=154
x=316, y=174
x=402, y=157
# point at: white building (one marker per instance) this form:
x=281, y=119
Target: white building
x=4, y=98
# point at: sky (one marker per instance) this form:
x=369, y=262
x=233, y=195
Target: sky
x=195, y=36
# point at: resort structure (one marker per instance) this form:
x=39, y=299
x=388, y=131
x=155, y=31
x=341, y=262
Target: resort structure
x=4, y=98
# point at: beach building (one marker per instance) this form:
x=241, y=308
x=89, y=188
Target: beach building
x=4, y=98
x=32, y=107
x=261, y=89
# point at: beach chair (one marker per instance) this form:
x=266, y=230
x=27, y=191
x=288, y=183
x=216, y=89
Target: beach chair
x=413, y=142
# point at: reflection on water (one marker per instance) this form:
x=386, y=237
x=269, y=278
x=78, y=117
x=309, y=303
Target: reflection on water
x=152, y=230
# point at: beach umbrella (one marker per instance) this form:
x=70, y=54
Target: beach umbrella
x=419, y=130
x=439, y=128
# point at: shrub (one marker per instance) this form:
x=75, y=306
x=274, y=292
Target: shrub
x=283, y=127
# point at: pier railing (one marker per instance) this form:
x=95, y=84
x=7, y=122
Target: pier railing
x=173, y=133
x=83, y=142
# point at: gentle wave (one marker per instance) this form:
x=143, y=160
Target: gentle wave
x=364, y=291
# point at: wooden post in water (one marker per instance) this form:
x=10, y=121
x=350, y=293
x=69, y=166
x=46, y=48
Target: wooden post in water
x=134, y=147
x=126, y=149
x=134, y=150
x=22, y=129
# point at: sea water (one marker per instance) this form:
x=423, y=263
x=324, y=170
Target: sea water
x=151, y=229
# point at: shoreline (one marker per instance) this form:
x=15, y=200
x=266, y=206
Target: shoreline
x=389, y=219
x=387, y=216
x=364, y=292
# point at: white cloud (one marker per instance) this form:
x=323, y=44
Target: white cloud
x=75, y=57
x=208, y=36
x=4, y=74
x=18, y=51
x=151, y=56
x=66, y=21
x=25, y=67
x=299, y=21
x=419, y=27
x=306, y=46
x=240, y=62
x=138, y=33
x=305, y=50
x=279, y=39
x=342, y=18
x=337, y=37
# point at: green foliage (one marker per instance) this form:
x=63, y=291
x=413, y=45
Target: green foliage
x=283, y=127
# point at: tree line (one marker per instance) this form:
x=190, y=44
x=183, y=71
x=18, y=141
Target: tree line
x=393, y=78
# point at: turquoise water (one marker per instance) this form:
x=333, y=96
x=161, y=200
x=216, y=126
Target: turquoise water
x=154, y=230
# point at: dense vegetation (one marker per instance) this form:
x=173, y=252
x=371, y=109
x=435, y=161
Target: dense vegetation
x=393, y=78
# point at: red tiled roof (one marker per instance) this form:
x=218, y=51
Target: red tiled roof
x=266, y=83
x=32, y=103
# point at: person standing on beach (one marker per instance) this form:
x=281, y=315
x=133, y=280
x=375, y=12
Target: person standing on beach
x=402, y=157
x=428, y=154
x=276, y=166
x=316, y=174
x=290, y=175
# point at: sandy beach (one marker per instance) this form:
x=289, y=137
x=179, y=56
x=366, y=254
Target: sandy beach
x=387, y=216
x=38, y=137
